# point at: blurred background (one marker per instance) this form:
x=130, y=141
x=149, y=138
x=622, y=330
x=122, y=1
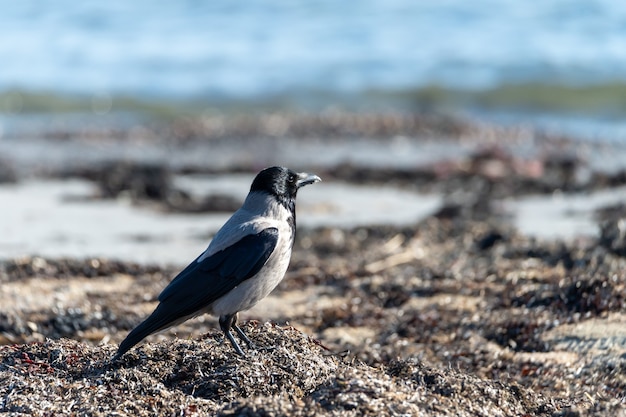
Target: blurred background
x=557, y=64
x=176, y=101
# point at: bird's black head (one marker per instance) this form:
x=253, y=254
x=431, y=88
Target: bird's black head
x=282, y=183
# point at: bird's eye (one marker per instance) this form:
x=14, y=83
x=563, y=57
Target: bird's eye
x=291, y=178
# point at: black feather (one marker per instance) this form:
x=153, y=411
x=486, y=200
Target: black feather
x=202, y=283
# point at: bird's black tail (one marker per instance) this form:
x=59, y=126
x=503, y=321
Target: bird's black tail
x=158, y=320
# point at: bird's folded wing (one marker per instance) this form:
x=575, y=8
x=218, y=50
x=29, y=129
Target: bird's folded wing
x=203, y=282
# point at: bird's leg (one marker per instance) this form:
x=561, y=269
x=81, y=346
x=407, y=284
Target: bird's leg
x=226, y=322
x=241, y=333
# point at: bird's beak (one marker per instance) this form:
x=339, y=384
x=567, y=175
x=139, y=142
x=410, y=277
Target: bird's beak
x=306, y=179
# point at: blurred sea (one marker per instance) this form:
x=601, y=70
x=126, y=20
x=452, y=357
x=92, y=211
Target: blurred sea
x=555, y=62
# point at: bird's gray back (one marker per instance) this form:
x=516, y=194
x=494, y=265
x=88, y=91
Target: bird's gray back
x=259, y=212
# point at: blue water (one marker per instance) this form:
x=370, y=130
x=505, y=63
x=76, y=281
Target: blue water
x=569, y=57
x=230, y=49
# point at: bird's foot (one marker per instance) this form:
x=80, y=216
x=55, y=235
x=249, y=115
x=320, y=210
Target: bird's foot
x=243, y=337
x=234, y=343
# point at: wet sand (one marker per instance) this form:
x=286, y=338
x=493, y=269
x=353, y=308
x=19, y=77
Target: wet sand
x=434, y=297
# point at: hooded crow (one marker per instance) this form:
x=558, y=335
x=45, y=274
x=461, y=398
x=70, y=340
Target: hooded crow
x=244, y=262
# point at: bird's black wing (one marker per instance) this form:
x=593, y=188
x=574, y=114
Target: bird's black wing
x=201, y=283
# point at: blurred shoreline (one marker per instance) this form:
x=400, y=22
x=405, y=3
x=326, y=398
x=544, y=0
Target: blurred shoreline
x=591, y=112
x=396, y=168
x=247, y=139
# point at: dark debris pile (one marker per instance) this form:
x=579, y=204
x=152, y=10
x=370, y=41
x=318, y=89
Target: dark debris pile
x=36, y=267
x=470, y=184
x=149, y=184
x=294, y=375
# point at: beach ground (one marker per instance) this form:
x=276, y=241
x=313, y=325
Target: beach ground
x=460, y=312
